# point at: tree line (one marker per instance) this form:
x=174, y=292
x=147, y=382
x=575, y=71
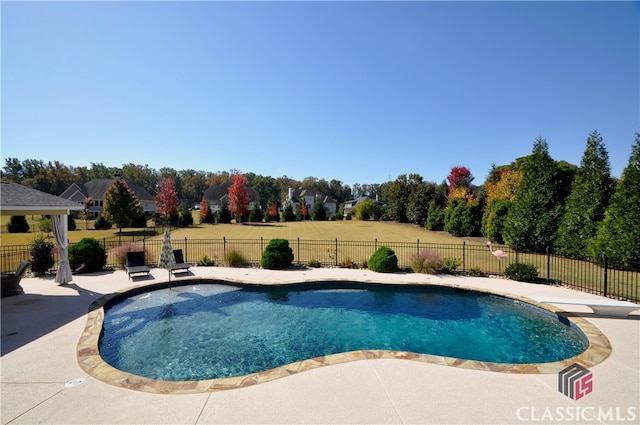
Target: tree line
x=535, y=203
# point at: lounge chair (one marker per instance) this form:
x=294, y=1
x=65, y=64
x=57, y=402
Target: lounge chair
x=181, y=266
x=136, y=263
x=11, y=281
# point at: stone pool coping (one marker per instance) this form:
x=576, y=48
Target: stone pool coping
x=90, y=361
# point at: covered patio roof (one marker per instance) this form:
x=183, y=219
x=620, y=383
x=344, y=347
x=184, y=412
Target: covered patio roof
x=16, y=199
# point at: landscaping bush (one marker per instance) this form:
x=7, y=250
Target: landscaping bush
x=426, y=261
x=314, y=263
x=45, y=224
x=384, y=260
x=87, y=256
x=234, y=258
x=18, y=224
x=449, y=265
x=347, y=263
x=522, y=272
x=40, y=250
x=476, y=272
x=206, y=261
x=102, y=223
x=71, y=223
x=277, y=255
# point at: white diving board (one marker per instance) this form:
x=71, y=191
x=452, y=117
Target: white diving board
x=602, y=307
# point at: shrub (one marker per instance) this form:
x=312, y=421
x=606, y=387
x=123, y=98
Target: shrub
x=522, y=272
x=102, y=223
x=206, y=261
x=347, y=263
x=314, y=263
x=88, y=255
x=71, y=223
x=234, y=258
x=449, y=265
x=138, y=221
x=426, y=261
x=45, y=224
x=41, y=256
x=277, y=255
x=384, y=260
x=18, y=224
x=476, y=272
x=120, y=252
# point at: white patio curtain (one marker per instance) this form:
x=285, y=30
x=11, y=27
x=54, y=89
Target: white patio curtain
x=60, y=232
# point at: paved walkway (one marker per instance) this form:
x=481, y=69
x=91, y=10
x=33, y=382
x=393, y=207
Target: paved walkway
x=41, y=329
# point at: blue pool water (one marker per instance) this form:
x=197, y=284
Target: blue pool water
x=207, y=331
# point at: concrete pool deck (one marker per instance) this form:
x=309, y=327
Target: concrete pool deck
x=41, y=330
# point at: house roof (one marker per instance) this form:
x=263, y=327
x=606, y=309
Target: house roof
x=16, y=199
x=97, y=188
x=218, y=191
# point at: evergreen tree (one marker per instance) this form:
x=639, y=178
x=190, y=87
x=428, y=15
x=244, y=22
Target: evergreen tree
x=418, y=203
x=256, y=216
x=532, y=219
x=493, y=220
x=120, y=204
x=396, y=195
x=223, y=215
x=288, y=214
x=618, y=235
x=435, y=217
x=592, y=188
x=318, y=213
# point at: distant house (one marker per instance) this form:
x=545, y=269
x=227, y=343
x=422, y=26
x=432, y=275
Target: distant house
x=295, y=196
x=95, y=189
x=217, y=192
x=309, y=196
x=351, y=204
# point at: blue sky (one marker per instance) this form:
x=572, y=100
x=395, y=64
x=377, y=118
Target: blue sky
x=356, y=91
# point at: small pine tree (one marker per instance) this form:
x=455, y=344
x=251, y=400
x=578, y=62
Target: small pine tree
x=223, y=215
x=288, y=214
x=256, y=215
x=318, y=213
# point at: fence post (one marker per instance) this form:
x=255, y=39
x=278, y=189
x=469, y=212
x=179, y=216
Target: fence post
x=298, y=251
x=464, y=255
x=604, y=261
x=261, y=246
x=336, y=253
x=515, y=247
x=548, y=265
x=224, y=246
x=375, y=245
x=418, y=248
x=186, y=250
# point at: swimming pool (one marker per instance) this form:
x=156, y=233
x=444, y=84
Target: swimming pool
x=203, y=331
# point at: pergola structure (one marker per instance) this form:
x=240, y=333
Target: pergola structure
x=16, y=199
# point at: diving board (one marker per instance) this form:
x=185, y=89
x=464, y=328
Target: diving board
x=602, y=307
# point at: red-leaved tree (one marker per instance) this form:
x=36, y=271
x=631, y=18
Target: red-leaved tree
x=239, y=196
x=167, y=201
x=460, y=179
x=205, y=211
x=273, y=211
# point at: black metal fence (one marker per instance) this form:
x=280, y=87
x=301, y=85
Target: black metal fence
x=475, y=258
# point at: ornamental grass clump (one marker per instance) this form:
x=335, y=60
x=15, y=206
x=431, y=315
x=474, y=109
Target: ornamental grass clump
x=120, y=252
x=426, y=261
x=384, y=260
x=277, y=255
